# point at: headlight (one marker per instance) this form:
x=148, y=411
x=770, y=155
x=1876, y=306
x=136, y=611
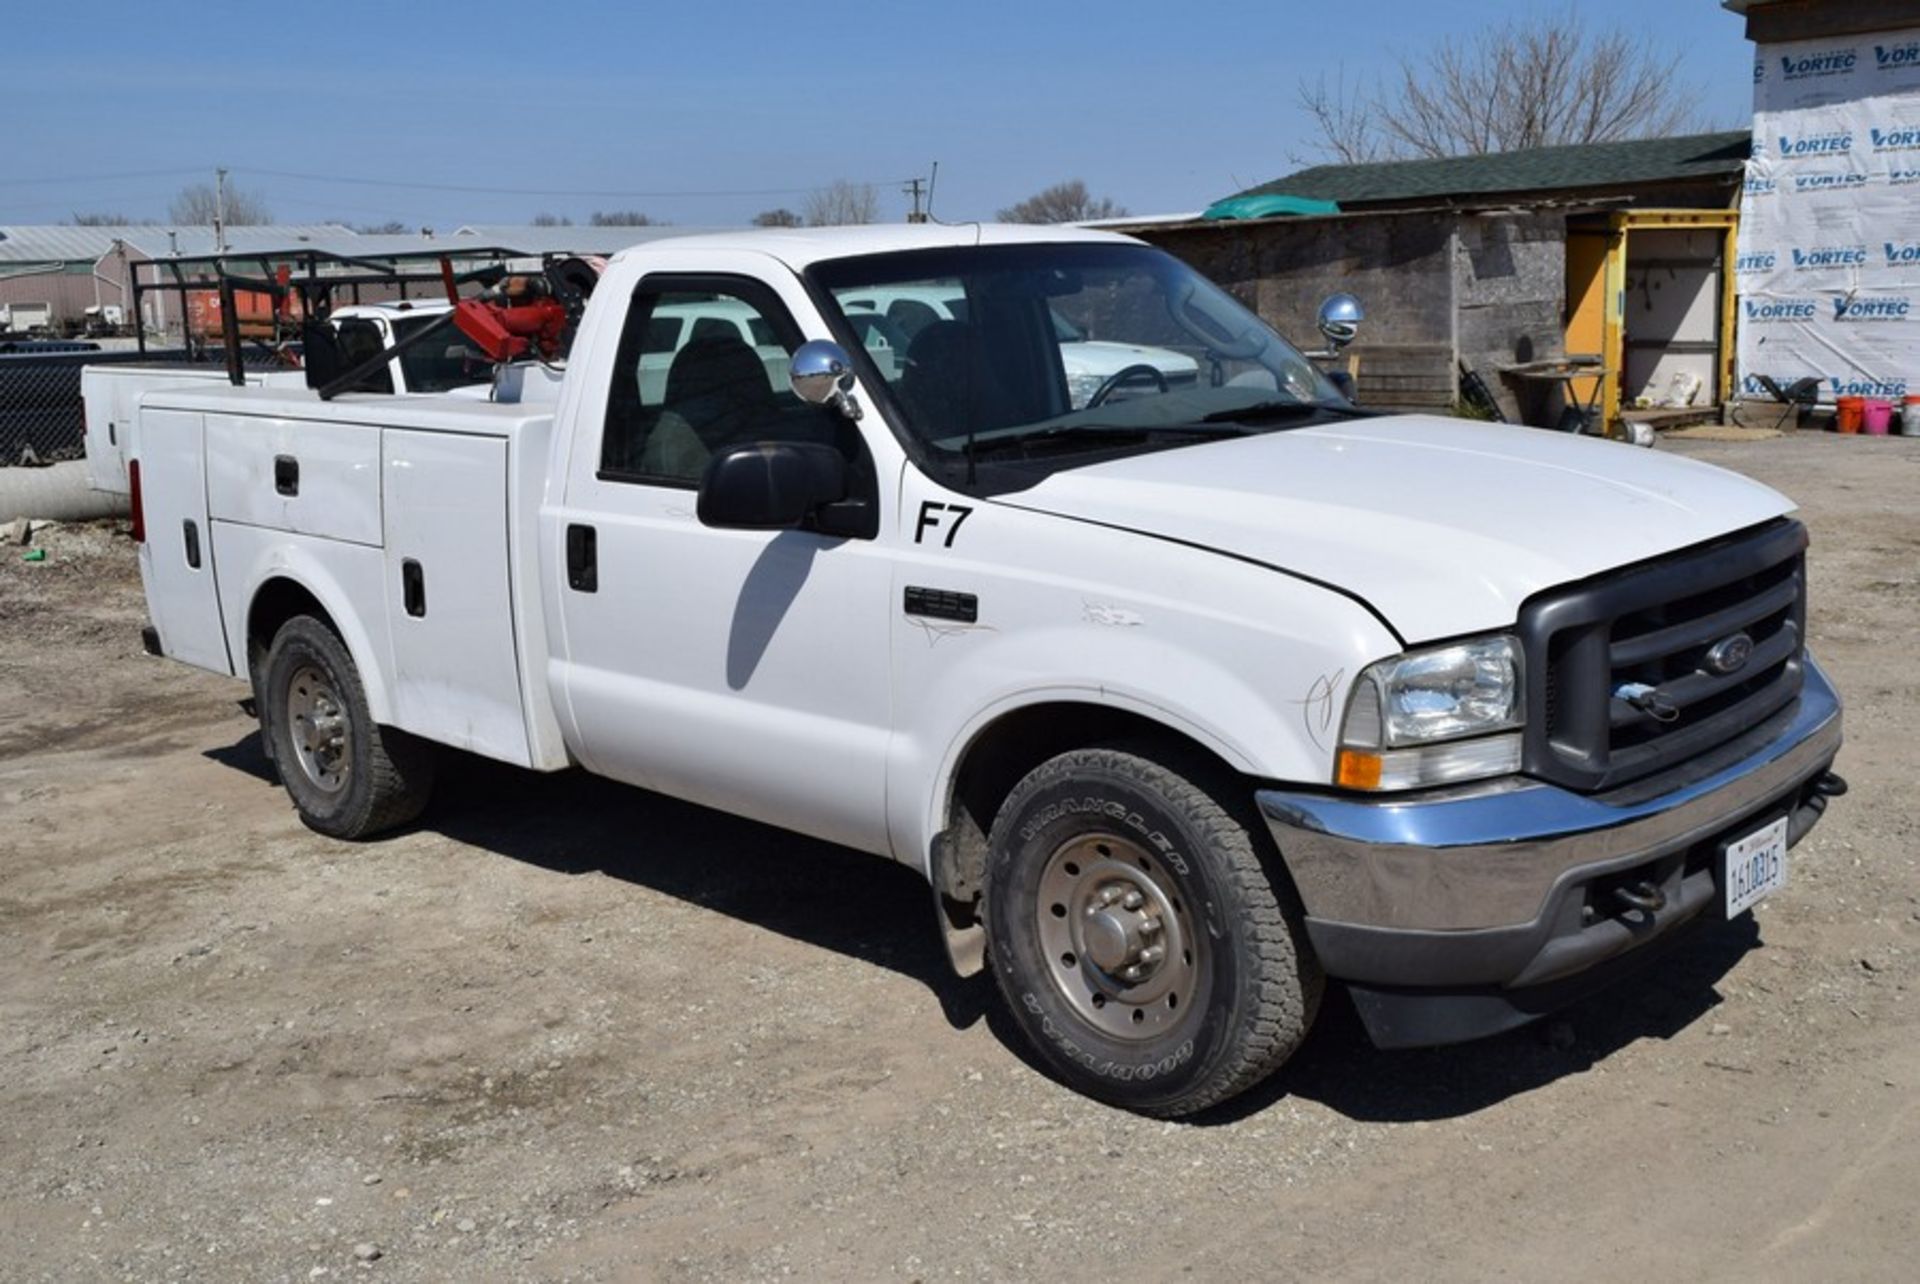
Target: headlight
x=1081, y=387
x=1430, y=717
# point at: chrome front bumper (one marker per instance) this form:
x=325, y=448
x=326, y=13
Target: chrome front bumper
x=1492, y=885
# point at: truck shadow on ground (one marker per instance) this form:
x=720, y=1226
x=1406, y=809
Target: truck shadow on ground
x=1341, y=1069
x=834, y=898
x=573, y=823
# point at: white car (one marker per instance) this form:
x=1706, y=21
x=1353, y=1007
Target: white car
x=1095, y=368
x=672, y=326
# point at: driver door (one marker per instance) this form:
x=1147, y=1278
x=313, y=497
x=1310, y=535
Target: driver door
x=744, y=670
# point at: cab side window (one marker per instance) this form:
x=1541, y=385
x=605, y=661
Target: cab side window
x=700, y=371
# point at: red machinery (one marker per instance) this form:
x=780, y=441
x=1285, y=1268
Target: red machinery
x=531, y=314
x=506, y=331
x=518, y=317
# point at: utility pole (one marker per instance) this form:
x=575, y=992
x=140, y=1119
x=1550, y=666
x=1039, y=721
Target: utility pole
x=913, y=188
x=219, y=211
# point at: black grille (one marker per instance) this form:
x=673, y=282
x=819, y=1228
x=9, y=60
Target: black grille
x=1651, y=627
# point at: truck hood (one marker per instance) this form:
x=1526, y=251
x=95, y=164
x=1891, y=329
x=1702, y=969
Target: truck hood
x=1443, y=526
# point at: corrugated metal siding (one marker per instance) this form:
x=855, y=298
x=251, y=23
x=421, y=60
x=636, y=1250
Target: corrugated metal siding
x=59, y=243
x=71, y=294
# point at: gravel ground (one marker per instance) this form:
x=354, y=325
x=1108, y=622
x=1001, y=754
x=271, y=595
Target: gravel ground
x=565, y=1030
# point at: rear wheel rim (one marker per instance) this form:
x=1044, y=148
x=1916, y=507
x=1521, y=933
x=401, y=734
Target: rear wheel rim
x=1118, y=937
x=321, y=732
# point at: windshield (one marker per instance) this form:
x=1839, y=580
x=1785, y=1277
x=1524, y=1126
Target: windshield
x=438, y=364
x=1010, y=349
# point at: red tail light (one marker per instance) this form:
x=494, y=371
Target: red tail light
x=133, y=500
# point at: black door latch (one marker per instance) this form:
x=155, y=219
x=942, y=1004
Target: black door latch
x=583, y=560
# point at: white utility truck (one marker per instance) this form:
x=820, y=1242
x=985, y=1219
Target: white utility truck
x=1184, y=698
x=109, y=394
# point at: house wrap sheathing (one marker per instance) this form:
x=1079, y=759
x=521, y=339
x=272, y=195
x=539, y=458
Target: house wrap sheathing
x=1829, y=242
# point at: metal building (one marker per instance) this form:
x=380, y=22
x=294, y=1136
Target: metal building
x=70, y=269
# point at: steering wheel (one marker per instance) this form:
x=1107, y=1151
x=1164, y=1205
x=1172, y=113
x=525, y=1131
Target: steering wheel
x=1127, y=375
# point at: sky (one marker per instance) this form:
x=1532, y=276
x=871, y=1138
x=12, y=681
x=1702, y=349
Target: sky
x=706, y=113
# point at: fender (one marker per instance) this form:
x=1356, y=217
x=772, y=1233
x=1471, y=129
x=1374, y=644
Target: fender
x=1281, y=731
x=1260, y=689
x=965, y=939
x=338, y=575
x=939, y=798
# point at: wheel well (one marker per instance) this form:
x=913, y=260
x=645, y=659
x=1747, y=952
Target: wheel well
x=276, y=602
x=1005, y=752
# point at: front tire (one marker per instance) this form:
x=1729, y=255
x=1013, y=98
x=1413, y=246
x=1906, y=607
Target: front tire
x=1143, y=946
x=348, y=776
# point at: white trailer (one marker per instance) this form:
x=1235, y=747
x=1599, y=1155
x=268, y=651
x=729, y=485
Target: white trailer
x=26, y=318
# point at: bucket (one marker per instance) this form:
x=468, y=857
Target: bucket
x=1875, y=416
x=1848, y=412
x=1910, y=417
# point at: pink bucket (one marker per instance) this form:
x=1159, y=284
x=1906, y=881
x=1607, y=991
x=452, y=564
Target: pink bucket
x=1876, y=416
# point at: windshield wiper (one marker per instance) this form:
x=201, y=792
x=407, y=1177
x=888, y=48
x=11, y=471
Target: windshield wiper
x=1268, y=411
x=1102, y=435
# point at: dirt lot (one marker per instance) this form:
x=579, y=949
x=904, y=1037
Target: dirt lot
x=567, y=1030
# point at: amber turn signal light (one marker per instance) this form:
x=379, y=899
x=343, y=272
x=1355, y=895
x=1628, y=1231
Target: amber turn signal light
x=1357, y=770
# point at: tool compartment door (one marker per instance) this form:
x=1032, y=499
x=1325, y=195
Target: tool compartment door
x=311, y=478
x=448, y=596
x=176, y=562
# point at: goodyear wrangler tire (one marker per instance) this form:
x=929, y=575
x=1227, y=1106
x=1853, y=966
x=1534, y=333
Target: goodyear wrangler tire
x=348, y=776
x=1145, y=949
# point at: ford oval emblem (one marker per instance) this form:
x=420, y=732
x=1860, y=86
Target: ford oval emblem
x=1729, y=654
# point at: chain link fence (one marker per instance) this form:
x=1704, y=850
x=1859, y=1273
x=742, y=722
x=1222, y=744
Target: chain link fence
x=41, y=418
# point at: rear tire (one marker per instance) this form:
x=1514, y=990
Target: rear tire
x=348, y=776
x=1142, y=944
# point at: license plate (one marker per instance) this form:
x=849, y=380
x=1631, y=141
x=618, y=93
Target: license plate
x=1756, y=867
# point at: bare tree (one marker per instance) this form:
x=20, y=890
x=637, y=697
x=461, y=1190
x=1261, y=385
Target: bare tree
x=392, y=227
x=1534, y=83
x=98, y=218
x=843, y=202
x=1067, y=202
x=544, y=219
x=1345, y=119
x=197, y=204
x=621, y=218
x=782, y=217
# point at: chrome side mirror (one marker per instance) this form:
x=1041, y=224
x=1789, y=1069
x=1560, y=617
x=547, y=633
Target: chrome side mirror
x=821, y=374
x=1340, y=318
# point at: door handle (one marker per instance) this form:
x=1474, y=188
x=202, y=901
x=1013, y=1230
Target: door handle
x=190, y=532
x=413, y=588
x=286, y=474
x=583, y=559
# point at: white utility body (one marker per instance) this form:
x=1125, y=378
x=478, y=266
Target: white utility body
x=1182, y=695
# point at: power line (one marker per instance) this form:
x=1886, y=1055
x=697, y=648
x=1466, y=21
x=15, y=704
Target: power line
x=97, y=178
x=84, y=205
x=530, y=191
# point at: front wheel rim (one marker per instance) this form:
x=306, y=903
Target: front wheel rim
x=321, y=732
x=1118, y=938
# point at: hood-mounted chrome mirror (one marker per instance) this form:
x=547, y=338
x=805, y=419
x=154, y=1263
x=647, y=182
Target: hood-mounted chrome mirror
x=822, y=374
x=1340, y=318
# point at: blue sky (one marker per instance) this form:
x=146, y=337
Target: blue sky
x=705, y=113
